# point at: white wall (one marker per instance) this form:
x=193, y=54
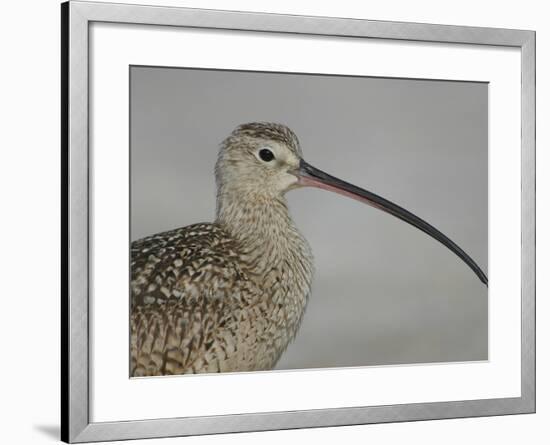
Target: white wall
x=29, y=185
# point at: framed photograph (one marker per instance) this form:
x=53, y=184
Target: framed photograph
x=276, y=222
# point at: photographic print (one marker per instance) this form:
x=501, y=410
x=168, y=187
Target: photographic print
x=289, y=221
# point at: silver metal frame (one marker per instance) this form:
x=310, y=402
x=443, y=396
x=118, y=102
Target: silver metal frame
x=76, y=18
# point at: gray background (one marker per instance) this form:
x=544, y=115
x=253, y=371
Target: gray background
x=384, y=292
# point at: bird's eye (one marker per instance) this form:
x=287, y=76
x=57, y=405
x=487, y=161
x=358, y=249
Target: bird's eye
x=266, y=155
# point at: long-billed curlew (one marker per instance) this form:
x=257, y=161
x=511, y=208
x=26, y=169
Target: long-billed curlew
x=230, y=295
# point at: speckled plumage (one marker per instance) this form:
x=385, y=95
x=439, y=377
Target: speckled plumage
x=228, y=295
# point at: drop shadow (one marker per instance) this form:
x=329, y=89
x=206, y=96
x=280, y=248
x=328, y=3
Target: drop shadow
x=51, y=431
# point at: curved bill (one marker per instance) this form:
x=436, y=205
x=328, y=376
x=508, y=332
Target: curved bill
x=311, y=176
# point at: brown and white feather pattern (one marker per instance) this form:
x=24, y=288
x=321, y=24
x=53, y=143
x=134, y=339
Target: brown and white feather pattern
x=204, y=301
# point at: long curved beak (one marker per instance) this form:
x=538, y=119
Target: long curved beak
x=313, y=177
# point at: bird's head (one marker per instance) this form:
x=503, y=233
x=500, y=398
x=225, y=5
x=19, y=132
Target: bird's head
x=258, y=159
x=262, y=161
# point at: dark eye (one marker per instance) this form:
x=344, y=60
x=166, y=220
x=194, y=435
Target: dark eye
x=266, y=155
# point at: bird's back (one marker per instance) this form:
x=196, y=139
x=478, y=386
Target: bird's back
x=194, y=307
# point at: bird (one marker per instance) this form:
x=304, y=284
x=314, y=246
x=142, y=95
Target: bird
x=230, y=295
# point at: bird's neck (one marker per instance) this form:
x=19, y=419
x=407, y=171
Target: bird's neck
x=253, y=219
x=263, y=227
